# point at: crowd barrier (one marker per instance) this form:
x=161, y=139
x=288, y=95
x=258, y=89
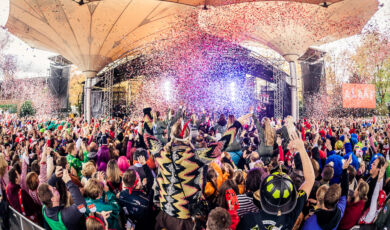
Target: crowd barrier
x=20, y=222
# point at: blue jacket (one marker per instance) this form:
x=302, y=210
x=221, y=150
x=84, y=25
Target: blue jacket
x=332, y=223
x=330, y=219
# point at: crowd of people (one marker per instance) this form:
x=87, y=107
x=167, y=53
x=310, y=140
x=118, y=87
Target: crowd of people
x=186, y=171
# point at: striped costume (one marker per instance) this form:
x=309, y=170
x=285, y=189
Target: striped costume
x=182, y=171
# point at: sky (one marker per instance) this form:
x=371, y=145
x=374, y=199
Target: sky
x=33, y=62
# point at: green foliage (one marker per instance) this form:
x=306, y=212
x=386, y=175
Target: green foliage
x=382, y=85
x=11, y=108
x=27, y=109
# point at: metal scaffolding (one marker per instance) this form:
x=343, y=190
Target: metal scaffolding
x=278, y=95
x=279, y=77
x=108, y=92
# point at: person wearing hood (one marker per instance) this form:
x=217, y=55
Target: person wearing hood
x=103, y=155
x=335, y=201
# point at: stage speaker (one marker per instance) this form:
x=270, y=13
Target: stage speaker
x=314, y=87
x=312, y=76
x=58, y=84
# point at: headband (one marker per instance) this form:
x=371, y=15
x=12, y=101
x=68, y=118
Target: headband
x=135, y=183
x=98, y=219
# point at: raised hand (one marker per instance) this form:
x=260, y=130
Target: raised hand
x=296, y=142
x=383, y=170
x=59, y=171
x=65, y=176
x=347, y=162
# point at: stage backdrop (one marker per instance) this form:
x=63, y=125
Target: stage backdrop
x=359, y=96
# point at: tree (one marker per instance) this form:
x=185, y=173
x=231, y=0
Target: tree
x=75, y=86
x=27, y=109
x=371, y=64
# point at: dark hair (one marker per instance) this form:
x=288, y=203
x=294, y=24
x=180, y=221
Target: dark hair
x=129, y=177
x=219, y=219
x=221, y=199
x=35, y=167
x=12, y=174
x=61, y=161
x=327, y=173
x=44, y=194
x=253, y=180
x=140, y=152
x=351, y=173
x=381, y=162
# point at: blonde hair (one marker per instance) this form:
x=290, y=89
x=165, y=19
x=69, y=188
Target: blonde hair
x=269, y=132
x=290, y=125
x=93, y=188
x=316, y=167
x=320, y=194
x=363, y=190
x=88, y=169
x=93, y=224
x=113, y=172
x=3, y=165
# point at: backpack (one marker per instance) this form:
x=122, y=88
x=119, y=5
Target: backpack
x=383, y=218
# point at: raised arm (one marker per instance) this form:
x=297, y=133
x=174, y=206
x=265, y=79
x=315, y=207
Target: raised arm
x=43, y=167
x=25, y=163
x=374, y=200
x=49, y=165
x=308, y=171
x=72, y=212
x=315, y=151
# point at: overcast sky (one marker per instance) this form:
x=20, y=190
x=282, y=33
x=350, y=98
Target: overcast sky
x=33, y=62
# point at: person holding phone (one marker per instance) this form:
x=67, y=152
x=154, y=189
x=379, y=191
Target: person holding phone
x=56, y=215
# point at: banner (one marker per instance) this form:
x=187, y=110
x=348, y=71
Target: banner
x=359, y=96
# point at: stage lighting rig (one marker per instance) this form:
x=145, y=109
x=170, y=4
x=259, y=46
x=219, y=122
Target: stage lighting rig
x=82, y=2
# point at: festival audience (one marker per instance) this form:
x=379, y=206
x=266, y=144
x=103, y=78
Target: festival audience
x=180, y=171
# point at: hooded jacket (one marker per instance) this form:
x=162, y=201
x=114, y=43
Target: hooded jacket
x=330, y=219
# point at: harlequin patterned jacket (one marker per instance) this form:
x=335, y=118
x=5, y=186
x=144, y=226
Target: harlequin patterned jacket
x=182, y=171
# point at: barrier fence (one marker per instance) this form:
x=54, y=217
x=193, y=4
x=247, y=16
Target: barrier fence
x=20, y=222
